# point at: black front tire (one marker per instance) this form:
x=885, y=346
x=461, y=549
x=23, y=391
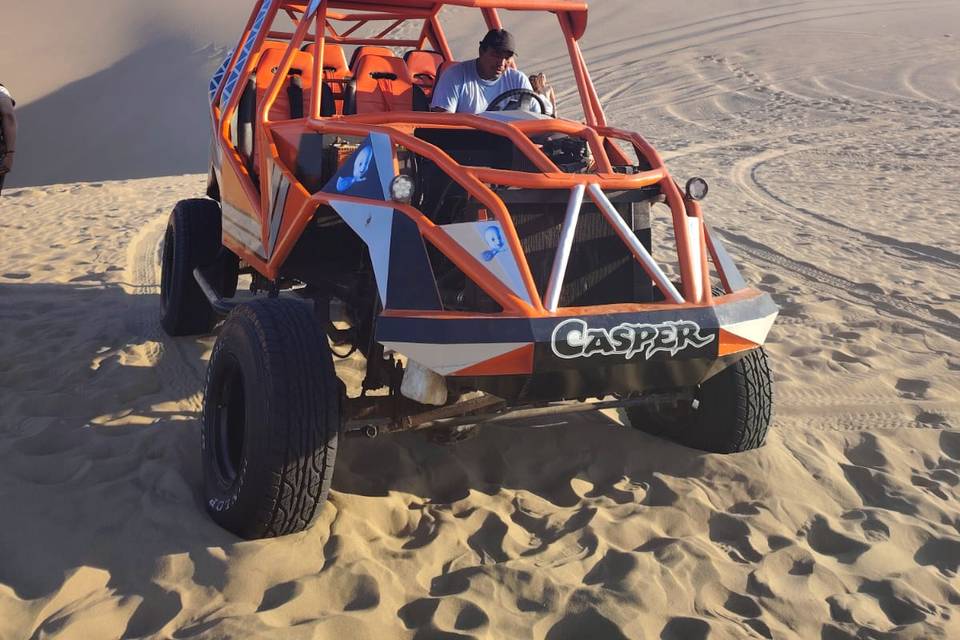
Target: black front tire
x=732, y=412
x=271, y=420
x=192, y=239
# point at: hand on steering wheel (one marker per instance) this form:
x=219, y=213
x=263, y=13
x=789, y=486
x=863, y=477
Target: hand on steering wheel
x=518, y=99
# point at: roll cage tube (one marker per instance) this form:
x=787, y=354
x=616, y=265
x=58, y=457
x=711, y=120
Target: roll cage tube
x=687, y=217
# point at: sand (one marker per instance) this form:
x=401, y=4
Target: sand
x=829, y=135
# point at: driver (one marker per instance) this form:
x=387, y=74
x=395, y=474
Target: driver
x=469, y=87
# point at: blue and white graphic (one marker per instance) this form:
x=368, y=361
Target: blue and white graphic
x=494, y=239
x=487, y=242
x=218, y=75
x=245, y=52
x=368, y=172
x=361, y=165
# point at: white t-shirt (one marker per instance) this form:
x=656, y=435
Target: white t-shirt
x=548, y=104
x=462, y=90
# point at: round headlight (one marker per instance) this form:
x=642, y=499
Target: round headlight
x=401, y=189
x=696, y=188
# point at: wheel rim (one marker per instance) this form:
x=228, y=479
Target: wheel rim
x=229, y=426
x=166, y=266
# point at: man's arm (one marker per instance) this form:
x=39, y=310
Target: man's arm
x=525, y=81
x=445, y=93
x=8, y=122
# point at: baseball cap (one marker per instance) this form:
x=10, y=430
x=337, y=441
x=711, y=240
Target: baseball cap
x=499, y=39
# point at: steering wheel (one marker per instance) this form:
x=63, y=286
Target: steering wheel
x=517, y=99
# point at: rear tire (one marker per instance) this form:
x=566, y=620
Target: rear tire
x=732, y=414
x=192, y=239
x=271, y=420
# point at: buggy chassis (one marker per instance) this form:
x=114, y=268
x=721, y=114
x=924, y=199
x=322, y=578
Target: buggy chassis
x=514, y=336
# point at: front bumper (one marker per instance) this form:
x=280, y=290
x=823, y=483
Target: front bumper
x=591, y=354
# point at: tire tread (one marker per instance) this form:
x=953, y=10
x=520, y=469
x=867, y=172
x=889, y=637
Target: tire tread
x=735, y=412
x=195, y=226
x=301, y=392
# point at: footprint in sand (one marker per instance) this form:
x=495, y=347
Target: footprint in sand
x=866, y=453
x=733, y=535
x=873, y=527
x=931, y=418
x=17, y=275
x=950, y=444
x=584, y=621
x=442, y=613
x=848, y=360
x=883, y=605
x=612, y=570
x=929, y=485
x=876, y=489
x=278, y=595
x=747, y=608
x=826, y=541
x=913, y=389
x=942, y=553
x=802, y=567
x=685, y=629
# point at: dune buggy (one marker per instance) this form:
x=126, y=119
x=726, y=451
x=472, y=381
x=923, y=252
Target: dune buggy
x=481, y=267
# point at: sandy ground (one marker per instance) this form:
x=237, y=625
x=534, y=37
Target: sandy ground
x=829, y=134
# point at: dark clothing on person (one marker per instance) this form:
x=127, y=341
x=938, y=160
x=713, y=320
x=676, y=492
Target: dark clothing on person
x=4, y=92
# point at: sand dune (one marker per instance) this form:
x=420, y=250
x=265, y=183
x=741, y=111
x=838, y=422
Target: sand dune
x=828, y=133
x=113, y=90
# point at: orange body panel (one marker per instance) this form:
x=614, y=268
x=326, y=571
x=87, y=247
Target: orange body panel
x=518, y=361
x=234, y=190
x=731, y=343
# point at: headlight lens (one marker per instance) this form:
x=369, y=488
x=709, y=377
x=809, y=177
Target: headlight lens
x=401, y=189
x=696, y=188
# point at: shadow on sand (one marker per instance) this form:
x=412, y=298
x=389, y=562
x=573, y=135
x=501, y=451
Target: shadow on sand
x=100, y=465
x=145, y=116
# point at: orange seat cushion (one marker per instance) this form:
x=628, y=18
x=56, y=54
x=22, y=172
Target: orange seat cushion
x=422, y=66
x=382, y=84
x=335, y=71
x=270, y=60
x=334, y=60
x=267, y=66
x=368, y=50
x=423, y=62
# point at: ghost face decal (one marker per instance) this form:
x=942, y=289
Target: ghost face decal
x=361, y=166
x=494, y=239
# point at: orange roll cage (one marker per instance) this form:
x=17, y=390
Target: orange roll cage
x=316, y=23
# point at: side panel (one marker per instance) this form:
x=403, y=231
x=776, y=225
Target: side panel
x=240, y=222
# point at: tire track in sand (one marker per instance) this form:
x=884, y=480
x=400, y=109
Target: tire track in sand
x=170, y=357
x=744, y=176
x=845, y=289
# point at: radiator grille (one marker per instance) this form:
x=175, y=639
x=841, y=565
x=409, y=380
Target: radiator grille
x=601, y=269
